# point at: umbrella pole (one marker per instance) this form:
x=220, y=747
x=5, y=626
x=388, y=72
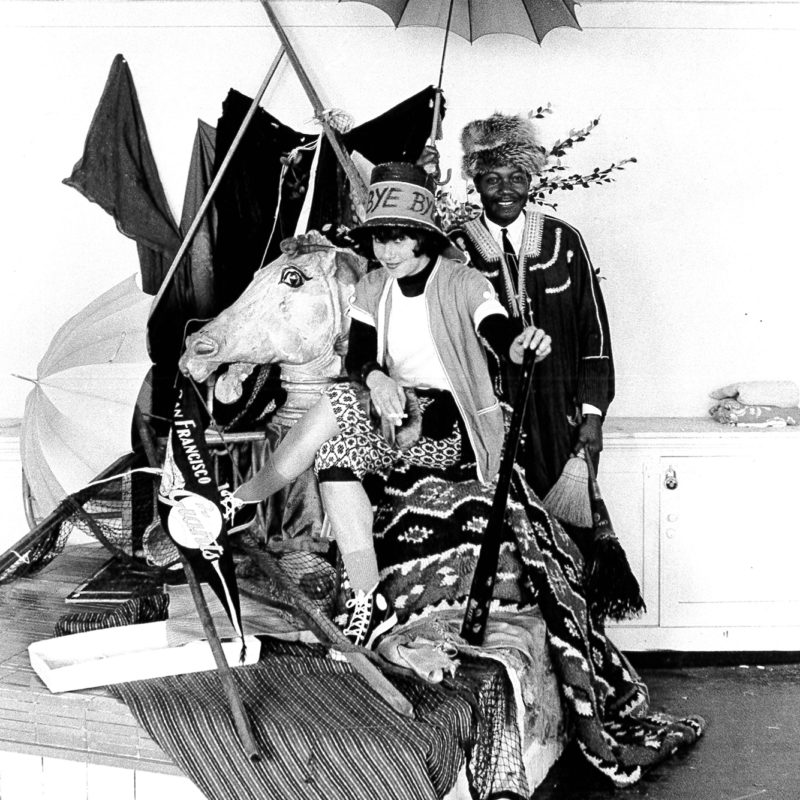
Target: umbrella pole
x=235, y=704
x=212, y=190
x=357, y=186
x=438, y=97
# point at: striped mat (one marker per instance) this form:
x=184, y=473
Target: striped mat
x=325, y=733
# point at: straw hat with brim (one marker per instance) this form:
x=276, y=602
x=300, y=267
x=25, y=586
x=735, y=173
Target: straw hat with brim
x=400, y=196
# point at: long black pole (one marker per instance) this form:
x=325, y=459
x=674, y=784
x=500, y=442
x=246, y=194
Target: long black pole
x=358, y=188
x=201, y=212
x=480, y=594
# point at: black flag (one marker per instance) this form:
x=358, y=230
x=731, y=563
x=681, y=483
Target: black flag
x=191, y=506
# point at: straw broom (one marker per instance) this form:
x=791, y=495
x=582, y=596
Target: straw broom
x=568, y=500
x=611, y=587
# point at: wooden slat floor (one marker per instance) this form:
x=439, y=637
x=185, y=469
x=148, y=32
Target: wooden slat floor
x=89, y=726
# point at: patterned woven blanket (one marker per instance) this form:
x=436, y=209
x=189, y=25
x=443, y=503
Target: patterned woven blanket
x=428, y=532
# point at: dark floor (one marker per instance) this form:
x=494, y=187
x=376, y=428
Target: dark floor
x=750, y=751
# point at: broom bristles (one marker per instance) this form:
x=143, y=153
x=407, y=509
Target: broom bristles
x=568, y=500
x=612, y=588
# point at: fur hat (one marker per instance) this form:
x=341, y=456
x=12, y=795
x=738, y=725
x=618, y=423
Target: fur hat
x=501, y=141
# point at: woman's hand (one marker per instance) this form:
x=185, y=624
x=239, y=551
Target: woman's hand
x=532, y=338
x=387, y=395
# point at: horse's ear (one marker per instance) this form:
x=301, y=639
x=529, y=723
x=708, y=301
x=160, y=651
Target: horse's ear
x=350, y=268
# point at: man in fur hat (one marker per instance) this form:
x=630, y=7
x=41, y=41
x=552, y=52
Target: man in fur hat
x=540, y=268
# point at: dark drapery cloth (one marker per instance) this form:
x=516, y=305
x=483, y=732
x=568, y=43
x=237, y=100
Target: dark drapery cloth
x=399, y=134
x=118, y=172
x=248, y=194
x=198, y=292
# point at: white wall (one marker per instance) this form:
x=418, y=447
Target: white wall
x=695, y=240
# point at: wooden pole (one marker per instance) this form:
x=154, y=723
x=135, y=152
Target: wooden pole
x=237, y=709
x=357, y=185
x=326, y=631
x=201, y=212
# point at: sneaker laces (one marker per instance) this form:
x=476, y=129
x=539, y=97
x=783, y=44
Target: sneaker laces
x=361, y=616
x=230, y=503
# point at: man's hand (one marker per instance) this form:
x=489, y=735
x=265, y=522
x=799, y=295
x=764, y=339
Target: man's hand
x=387, y=395
x=590, y=435
x=532, y=338
x=429, y=161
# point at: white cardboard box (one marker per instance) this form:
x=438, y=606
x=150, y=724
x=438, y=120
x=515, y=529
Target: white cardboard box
x=126, y=653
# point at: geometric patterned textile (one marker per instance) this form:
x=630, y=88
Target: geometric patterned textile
x=428, y=530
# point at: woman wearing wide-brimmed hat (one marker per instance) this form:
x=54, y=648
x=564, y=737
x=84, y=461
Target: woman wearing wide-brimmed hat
x=415, y=341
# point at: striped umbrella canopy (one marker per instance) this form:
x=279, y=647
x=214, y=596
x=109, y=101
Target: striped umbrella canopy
x=78, y=416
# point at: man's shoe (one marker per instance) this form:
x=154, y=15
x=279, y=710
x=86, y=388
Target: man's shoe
x=369, y=615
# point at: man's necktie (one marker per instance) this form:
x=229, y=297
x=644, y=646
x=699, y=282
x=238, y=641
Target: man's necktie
x=516, y=282
x=508, y=249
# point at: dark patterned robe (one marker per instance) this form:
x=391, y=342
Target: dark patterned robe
x=561, y=294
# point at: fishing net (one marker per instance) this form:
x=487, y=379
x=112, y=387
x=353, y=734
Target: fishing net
x=116, y=513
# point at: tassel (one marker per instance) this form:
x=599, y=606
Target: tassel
x=612, y=589
x=568, y=500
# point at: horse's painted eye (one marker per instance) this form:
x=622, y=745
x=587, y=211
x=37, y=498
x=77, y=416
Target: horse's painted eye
x=293, y=277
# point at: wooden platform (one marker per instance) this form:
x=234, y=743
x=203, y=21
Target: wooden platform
x=83, y=744
x=87, y=745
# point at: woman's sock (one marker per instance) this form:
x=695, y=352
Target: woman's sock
x=350, y=514
x=362, y=569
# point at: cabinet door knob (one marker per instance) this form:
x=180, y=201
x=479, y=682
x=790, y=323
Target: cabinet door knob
x=670, y=478
x=672, y=517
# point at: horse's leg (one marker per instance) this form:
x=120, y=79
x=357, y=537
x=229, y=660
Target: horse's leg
x=294, y=455
x=350, y=514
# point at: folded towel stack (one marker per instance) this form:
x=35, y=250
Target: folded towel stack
x=762, y=404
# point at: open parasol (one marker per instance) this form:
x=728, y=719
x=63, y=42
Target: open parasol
x=472, y=19
x=78, y=416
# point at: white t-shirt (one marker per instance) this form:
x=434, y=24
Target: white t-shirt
x=412, y=355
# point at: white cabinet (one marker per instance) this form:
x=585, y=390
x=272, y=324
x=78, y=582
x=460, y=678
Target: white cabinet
x=710, y=519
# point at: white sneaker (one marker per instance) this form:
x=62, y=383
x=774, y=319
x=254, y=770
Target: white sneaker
x=369, y=616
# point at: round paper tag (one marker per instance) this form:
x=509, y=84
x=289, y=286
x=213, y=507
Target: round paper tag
x=194, y=522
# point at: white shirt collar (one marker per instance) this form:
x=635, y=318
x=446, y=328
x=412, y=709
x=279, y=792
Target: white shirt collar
x=516, y=229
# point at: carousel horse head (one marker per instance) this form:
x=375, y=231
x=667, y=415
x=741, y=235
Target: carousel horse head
x=291, y=314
